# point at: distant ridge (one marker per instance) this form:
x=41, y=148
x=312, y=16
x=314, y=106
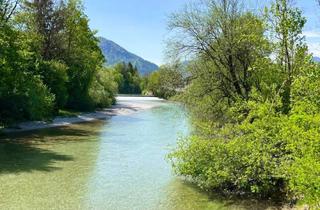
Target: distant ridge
x=316, y=59
x=114, y=54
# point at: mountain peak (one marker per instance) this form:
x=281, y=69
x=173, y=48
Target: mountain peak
x=114, y=54
x=316, y=59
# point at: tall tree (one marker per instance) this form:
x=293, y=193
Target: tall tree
x=48, y=23
x=286, y=23
x=82, y=55
x=130, y=83
x=7, y=9
x=225, y=42
x=219, y=31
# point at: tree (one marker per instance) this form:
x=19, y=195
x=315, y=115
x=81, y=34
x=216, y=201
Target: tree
x=104, y=88
x=82, y=55
x=264, y=144
x=230, y=38
x=224, y=43
x=43, y=24
x=130, y=82
x=286, y=24
x=165, y=82
x=50, y=60
x=7, y=9
x=47, y=22
x=23, y=96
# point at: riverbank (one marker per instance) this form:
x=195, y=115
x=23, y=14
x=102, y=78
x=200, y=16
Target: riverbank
x=125, y=105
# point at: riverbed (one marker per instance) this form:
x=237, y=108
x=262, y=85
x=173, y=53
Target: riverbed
x=117, y=163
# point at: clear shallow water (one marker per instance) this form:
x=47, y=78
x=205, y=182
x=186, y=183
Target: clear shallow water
x=117, y=164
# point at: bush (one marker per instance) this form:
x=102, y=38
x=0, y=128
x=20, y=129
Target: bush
x=103, y=88
x=165, y=82
x=236, y=158
x=267, y=155
x=40, y=101
x=25, y=99
x=54, y=76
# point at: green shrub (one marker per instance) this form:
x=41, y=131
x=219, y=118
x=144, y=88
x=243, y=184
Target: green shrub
x=54, y=76
x=29, y=99
x=165, y=82
x=103, y=89
x=267, y=155
x=40, y=101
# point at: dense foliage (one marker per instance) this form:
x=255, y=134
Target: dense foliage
x=164, y=83
x=254, y=101
x=50, y=60
x=103, y=88
x=129, y=81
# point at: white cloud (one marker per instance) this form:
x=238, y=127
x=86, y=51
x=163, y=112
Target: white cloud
x=314, y=48
x=313, y=41
x=311, y=34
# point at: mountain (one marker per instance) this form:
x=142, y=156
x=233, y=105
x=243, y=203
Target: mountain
x=116, y=54
x=316, y=59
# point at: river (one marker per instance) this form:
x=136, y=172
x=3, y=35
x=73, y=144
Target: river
x=119, y=163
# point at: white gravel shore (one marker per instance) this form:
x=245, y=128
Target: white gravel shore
x=125, y=106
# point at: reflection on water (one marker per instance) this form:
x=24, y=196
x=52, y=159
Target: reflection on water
x=118, y=164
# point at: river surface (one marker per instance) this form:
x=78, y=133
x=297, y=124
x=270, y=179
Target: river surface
x=115, y=164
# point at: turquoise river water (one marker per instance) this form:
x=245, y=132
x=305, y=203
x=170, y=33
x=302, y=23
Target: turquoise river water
x=115, y=164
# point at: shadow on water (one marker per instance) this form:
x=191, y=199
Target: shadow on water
x=22, y=157
x=31, y=151
x=76, y=132
x=182, y=194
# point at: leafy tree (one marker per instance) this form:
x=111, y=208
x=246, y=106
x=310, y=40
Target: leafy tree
x=130, y=81
x=286, y=24
x=43, y=24
x=45, y=18
x=104, y=88
x=166, y=82
x=22, y=95
x=265, y=142
x=7, y=9
x=83, y=56
x=224, y=35
x=225, y=42
x=50, y=60
x=55, y=77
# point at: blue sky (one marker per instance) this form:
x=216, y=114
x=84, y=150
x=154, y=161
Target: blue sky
x=140, y=25
x=312, y=29
x=137, y=25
